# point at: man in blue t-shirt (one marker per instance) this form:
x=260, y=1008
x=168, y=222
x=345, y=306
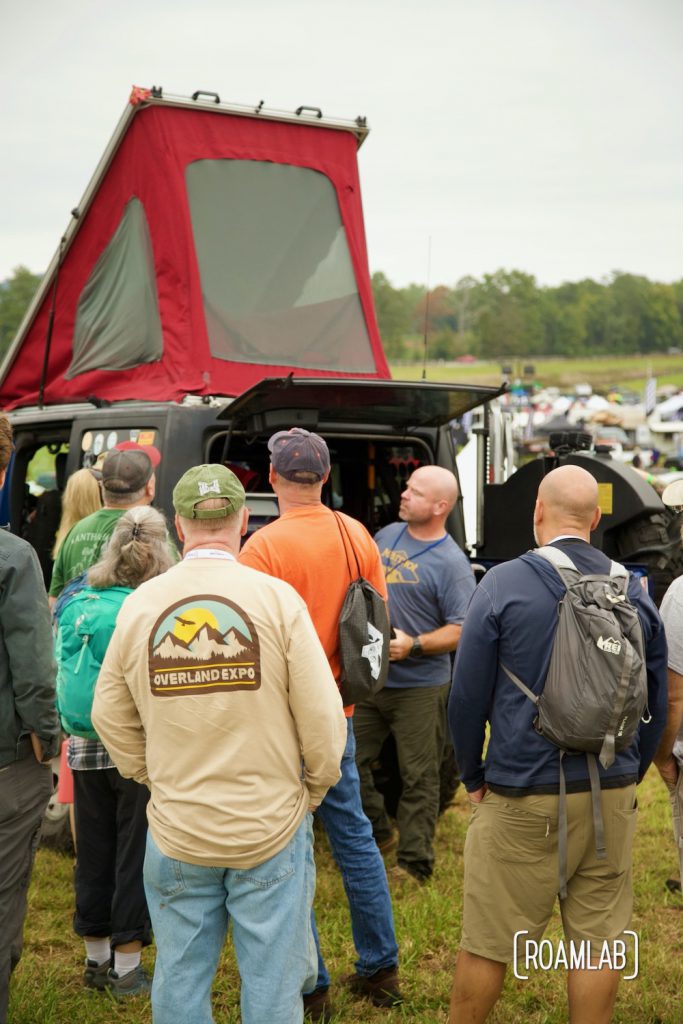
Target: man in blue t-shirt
x=430, y=583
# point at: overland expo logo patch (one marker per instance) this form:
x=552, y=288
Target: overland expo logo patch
x=203, y=645
x=609, y=645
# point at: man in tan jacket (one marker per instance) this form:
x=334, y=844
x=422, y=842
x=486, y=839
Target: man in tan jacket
x=216, y=693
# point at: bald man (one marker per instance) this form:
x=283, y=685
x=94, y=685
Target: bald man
x=430, y=583
x=511, y=852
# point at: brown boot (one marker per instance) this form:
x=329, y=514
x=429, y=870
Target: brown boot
x=318, y=1006
x=381, y=988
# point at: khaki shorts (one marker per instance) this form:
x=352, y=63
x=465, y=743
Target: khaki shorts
x=676, y=798
x=511, y=870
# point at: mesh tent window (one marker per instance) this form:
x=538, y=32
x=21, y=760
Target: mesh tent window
x=276, y=275
x=117, y=318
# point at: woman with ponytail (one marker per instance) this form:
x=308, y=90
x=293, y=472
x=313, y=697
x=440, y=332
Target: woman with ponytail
x=110, y=811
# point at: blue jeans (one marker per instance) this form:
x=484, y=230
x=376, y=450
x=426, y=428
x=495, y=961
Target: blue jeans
x=362, y=869
x=270, y=907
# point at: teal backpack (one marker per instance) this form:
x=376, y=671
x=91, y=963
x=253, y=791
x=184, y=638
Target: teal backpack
x=83, y=628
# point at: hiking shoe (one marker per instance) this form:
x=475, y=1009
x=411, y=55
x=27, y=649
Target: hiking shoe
x=318, y=1005
x=95, y=975
x=381, y=988
x=135, y=983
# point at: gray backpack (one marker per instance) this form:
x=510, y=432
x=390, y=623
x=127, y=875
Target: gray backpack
x=364, y=633
x=595, y=692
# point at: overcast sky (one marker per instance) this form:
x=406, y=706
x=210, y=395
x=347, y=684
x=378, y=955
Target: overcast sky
x=542, y=135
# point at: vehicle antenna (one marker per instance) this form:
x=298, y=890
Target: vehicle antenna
x=51, y=318
x=429, y=271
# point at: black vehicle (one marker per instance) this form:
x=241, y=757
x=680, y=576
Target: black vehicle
x=377, y=431
x=635, y=527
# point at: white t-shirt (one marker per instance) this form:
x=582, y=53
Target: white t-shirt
x=672, y=616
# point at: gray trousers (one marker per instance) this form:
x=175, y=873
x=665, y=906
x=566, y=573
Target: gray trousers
x=25, y=788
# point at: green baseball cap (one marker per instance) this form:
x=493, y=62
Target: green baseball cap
x=210, y=481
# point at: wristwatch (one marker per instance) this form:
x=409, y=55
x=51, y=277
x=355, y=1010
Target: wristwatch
x=416, y=649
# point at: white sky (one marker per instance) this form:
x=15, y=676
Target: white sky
x=541, y=135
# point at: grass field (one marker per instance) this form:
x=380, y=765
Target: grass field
x=47, y=986
x=602, y=373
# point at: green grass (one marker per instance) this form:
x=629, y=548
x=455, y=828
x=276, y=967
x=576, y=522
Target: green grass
x=47, y=987
x=602, y=372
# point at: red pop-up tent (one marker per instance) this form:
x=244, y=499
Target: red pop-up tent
x=216, y=245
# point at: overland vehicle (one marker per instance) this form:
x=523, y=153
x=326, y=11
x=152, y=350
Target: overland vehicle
x=211, y=288
x=377, y=431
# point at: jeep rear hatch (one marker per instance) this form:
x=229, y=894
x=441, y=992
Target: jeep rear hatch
x=400, y=405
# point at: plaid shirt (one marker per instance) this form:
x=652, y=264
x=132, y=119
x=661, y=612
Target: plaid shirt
x=85, y=755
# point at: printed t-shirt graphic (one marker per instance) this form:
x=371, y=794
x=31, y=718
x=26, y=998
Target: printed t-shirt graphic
x=398, y=567
x=203, y=644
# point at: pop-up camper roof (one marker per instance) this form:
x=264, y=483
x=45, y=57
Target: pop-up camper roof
x=215, y=245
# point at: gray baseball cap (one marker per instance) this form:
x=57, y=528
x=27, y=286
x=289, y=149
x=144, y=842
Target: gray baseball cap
x=299, y=455
x=124, y=472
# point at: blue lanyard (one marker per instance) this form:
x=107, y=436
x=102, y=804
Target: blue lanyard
x=409, y=558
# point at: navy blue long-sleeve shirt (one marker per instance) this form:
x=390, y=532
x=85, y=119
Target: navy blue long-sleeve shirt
x=512, y=617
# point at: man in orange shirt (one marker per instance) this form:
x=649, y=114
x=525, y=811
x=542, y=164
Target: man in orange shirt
x=305, y=547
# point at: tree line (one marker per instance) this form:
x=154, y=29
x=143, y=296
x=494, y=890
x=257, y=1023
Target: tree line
x=509, y=314
x=499, y=316
x=15, y=295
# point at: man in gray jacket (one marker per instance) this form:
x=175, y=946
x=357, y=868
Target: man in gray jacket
x=29, y=727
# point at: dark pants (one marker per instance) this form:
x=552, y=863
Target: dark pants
x=416, y=717
x=111, y=832
x=25, y=788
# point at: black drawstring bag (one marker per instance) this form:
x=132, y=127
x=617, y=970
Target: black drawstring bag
x=363, y=634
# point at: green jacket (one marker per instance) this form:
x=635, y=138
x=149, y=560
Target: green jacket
x=27, y=666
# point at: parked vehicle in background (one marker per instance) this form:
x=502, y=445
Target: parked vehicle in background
x=211, y=288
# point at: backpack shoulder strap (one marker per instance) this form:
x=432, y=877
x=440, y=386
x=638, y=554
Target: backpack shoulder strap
x=559, y=559
x=72, y=588
x=617, y=569
x=346, y=539
x=72, y=607
x=519, y=684
x=117, y=595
